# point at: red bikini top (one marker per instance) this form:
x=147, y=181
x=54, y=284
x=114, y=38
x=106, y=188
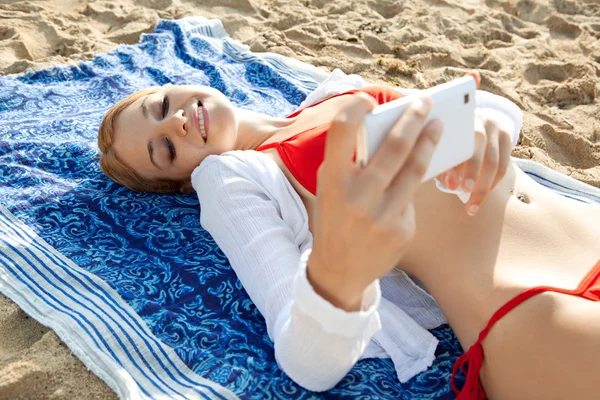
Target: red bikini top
x=304, y=152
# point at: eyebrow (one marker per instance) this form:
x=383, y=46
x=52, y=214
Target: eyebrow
x=144, y=108
x=151, y=152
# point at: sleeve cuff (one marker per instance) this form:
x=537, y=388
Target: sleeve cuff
x=331, y=318
x=506, y=113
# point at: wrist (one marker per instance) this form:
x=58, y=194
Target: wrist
x=335, y=287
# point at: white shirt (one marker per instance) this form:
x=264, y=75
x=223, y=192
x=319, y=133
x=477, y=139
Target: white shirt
x=260, y=223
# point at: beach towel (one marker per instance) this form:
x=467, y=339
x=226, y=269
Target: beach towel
x=130, y=281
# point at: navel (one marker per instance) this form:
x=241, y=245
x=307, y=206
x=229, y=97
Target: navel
x=522, y=197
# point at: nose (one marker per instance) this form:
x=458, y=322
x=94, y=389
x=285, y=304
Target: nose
x=178, y=122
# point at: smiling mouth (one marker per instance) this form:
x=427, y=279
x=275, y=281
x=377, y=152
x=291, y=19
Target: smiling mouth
x=200, y=118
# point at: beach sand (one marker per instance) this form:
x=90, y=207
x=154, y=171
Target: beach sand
x=544, y=55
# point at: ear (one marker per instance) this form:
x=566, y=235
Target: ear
x=186, y=187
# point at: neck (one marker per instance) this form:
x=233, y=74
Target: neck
x=253, y=129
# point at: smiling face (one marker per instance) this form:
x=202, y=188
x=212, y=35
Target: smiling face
x=166, y=135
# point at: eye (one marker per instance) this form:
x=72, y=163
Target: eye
x=171, y=149
x=165, y=106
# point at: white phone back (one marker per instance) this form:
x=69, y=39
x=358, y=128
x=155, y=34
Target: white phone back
x=452, y=102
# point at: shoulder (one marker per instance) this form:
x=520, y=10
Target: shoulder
x=236, y=171
x=236, y=162
x=245, y=184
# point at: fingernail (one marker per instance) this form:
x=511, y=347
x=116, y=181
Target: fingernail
x=437, y=125
x=452, y=182
x=469, y=184
x=421, y=105
x=437, y=128
x=447, y=181
x=473, y=208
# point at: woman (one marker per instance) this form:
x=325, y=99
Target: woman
x=323, y=307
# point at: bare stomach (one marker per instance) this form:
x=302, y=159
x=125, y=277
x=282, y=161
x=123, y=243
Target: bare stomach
x=473, y=265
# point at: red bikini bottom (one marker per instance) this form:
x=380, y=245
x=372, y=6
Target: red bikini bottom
x=470, y=362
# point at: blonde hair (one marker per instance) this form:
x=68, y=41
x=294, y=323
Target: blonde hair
x=114, y=167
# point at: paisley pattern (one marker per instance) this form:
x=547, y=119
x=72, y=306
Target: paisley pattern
x=150, y=248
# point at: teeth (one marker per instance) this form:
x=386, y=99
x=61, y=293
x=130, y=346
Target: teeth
x=201, y=121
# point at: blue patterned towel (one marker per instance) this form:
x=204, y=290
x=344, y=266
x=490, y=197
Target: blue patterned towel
x=130, y=281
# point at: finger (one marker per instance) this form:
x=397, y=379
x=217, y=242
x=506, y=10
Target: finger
x=473, y=166
x=452, y=179
x=476, y=76
x=504, y=150
x=408, y=179
x=340, y=143
x=449, y=178
x=488, y=171
x=461, y=171
x=398, y=144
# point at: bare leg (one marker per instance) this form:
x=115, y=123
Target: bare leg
x=546, y=348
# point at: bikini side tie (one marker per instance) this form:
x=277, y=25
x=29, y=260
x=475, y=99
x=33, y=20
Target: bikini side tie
x=470, y=364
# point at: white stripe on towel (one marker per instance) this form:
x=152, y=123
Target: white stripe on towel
x=91, y=318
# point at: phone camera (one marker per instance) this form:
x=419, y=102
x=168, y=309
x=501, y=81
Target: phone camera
x=466, y=98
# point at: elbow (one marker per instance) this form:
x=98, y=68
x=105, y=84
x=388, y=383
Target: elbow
x=316, y=377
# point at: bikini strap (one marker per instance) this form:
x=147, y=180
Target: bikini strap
x=471, y=361
x=266, y=146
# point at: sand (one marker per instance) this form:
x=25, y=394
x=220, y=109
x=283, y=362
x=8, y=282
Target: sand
x=544, y=55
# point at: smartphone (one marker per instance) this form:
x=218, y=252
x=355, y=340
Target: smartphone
x=452, y=102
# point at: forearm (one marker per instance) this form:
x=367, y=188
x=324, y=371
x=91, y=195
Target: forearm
x=317, y=343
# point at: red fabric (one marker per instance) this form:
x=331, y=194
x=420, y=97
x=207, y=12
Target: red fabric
x=470, y=362
x=304, y=152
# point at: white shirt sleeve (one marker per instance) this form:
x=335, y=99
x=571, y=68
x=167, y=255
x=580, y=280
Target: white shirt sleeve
x=506, y=113
x=316, y=344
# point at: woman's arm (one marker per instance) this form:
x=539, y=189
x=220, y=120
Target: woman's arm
x=365, y=217
x=256, y=224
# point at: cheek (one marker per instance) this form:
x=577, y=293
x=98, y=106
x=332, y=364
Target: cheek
x=194, y=156
x=226, y=126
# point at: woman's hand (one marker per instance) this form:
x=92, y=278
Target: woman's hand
x=486, y=168
x=488, y=165
x=365, y=218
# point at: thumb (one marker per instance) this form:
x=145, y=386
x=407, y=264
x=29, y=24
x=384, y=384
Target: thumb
x=340, y=143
